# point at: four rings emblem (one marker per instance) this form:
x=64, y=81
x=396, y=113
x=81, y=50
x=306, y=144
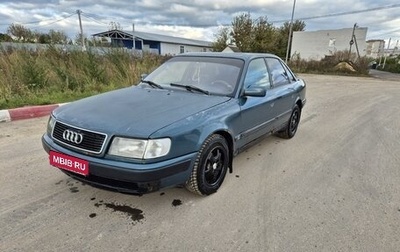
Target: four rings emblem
x=72, y=136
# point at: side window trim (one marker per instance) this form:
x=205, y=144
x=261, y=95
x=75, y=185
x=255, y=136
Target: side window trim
x=271, y=82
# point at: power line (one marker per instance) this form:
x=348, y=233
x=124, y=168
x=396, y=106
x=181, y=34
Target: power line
x=93, y=19
x=45, y=20
x=302, y=18
x=59, y=20
x=343, y=13
x=389, y=32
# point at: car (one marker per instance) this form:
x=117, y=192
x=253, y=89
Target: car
x=180, y=126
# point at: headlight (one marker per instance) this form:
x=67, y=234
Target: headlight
x=137, y=148
x=50, y=125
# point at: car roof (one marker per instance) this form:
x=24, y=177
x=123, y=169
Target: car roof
x=243, y=56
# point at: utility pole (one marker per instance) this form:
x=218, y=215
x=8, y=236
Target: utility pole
x=396, y=47
x=352, y=39
x=80, y=26
x=384, y=60
x=290, y=33
x=133, y=38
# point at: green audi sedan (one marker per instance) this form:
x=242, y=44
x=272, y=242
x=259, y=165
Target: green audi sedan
x=180, y=126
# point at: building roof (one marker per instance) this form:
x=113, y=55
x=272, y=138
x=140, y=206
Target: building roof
x=231, y=48
x=375, y=40
x=117, y=34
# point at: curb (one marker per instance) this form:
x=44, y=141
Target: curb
x=8, y=115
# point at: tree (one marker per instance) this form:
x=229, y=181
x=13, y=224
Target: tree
x=87, y=41
x=242, y=32
x=42, y=38
x=222, y=39
x=5, y=38
x=263, y=36
x=58, y=37
x=256, y=35
x=20, y=33
x=114, y=26
x=283, y=36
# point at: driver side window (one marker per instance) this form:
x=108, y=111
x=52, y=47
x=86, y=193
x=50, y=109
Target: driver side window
x=257, y=75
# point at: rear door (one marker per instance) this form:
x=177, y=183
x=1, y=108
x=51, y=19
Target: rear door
x=282, y=90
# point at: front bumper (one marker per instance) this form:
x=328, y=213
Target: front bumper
x=128, y=177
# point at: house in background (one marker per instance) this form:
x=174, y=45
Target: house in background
x=230, y=49
x=154, y=43
x=315, y=45
x=375, y=48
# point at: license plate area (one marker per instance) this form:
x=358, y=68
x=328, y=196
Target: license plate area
x=69, y=163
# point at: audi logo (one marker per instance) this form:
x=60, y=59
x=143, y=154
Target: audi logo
x=72, y=136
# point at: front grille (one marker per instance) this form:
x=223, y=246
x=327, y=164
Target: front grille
x=91, y=142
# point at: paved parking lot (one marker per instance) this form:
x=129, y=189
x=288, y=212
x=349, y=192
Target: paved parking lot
x=334, y=187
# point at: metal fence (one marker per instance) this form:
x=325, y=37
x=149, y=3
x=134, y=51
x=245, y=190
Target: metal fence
x=33, y=47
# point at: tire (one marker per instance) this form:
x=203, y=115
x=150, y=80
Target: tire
x=210, y=167
x=291, y=128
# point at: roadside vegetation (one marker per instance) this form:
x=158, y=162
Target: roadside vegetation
x=54, y=76
x=340, y=63
x=392, y=65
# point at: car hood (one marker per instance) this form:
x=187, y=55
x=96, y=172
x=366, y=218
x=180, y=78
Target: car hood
x=134, y=111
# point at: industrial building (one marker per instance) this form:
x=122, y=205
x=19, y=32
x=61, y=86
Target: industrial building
x=154, y=43
x=315, y=45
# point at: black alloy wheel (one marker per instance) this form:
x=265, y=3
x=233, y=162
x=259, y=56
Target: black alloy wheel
x=210, y=166
x=290, y=130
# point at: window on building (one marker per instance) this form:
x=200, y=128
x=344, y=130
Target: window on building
x=182, y=49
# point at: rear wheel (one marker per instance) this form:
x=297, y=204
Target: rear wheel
x=290, y=130
x=210, y=166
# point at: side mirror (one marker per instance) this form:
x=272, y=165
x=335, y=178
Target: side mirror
x=254, y=92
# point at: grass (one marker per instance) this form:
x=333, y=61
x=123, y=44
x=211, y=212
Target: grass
x=54, y=76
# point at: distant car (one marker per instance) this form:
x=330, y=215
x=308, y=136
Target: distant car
x=181, y=125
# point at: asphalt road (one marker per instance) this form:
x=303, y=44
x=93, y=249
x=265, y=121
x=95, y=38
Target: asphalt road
x=334, y=187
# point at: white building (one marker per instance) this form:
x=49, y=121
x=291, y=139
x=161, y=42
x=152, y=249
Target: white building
x=375, y=48
x=315, y=45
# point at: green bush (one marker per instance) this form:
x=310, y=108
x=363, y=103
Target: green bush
x=392, y=65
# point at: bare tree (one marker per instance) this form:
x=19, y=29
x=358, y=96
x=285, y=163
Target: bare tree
x=114, y=26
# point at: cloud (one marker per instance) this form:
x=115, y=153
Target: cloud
x=197, y=19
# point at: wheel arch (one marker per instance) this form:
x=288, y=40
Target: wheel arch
x=299, y=103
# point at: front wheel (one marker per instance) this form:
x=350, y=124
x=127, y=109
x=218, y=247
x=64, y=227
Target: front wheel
x=290, y=130
x=210, y=166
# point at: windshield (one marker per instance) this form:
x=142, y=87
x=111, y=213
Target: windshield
x=214, y=75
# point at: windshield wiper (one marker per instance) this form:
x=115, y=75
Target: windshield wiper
x=152, y=84
x=190, y=88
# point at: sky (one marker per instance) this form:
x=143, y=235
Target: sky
x=200, y=19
